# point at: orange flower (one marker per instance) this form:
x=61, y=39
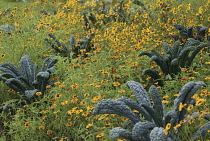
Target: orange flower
x=49, y=132
x=69, y=124
x=114, y=69
x=166, y=96
x=41, y=127
x=38, y=93
x=165, y=101
x=25, y=106
x=62, y=85
x=183, y=78
x=45, y=55
x=74, y=100
x=48, y=86
x=184, y=69
x=74, y=86
x=27, y=124
x=121, y=91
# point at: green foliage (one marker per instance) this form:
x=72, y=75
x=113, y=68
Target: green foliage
x=100, y=69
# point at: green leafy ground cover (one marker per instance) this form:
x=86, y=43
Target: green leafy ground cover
x=89, y=69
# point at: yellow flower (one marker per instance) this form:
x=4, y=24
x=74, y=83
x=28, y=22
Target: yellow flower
x=70, y=112
x=168, y=126
x=134, y=63
x=79, y=111
x=47, y=111
x=58, y=95
x=177, y=126
x=56, y=112
x=148, y=78
x=86, y=94
x=191, y=120
x=90, y=108
x=2, y=55
x=103, y=81
x=207, y=78
x=97, y=86
x=200, y=101
x=135, y=111
x=83, y=103
x=190, y=107
x=116, y=84
x=191, y=78
x=53, y=106
x=64, y=102
x=100, y=135
x=120, y=139
x=208, y=63
x=85, y=114
x=89, y=125
x=181, y=106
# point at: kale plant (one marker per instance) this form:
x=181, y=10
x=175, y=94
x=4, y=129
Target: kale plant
x=59, y=47
x=73, y=49
x=150, y=126
x=176, y=57
x=186, y=33
x=80, y=47
x=26, y=81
